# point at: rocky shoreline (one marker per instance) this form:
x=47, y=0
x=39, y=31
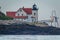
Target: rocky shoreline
x=25, y=29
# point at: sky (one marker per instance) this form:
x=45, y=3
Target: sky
x=45, y=7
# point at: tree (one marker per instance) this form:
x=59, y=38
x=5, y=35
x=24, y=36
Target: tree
x=4, y=17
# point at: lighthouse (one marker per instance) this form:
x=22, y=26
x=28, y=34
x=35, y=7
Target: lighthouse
x=34, y=13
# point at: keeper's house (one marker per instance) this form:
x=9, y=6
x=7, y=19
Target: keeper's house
x=25, y=14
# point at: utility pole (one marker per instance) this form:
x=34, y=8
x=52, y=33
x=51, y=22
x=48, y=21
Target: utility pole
x=0, y=8
x=52, y=19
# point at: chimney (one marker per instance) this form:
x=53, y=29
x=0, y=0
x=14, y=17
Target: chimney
x=23, y=6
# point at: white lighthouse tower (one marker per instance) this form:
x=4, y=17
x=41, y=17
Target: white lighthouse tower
x=34, y=13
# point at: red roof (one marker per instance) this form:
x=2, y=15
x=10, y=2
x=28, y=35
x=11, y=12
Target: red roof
x=12, y=14
x=28, y=10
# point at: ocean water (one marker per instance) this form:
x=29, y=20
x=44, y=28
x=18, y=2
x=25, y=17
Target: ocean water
x=29, y=37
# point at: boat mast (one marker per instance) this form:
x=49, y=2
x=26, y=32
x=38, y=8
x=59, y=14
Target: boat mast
x=55, y=18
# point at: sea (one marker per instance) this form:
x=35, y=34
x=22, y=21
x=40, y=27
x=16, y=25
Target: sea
x=29, y=37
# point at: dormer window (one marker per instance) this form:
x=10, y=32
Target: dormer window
x=20, y=10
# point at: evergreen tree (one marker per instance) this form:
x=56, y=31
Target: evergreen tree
x=4, y=17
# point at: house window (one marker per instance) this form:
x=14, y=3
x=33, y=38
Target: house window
x=22, y=14
x=18, y=14
x=27, y=16
x=32, y=20
x=24, y=19
x=35, y=19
